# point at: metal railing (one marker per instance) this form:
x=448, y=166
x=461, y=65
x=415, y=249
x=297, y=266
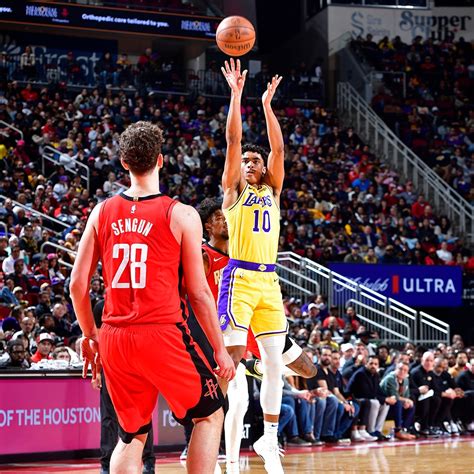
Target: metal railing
x=431, y=328
x=74, y=167
x=351, y=70
x=11, y=127
x=355, y=111
x=48, y=222
x=306, y=87
x=379, y=79
x=60, y=247
x=5, y=227
x=395, y=322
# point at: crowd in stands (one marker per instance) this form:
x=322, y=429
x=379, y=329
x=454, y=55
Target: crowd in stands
x=436, y=117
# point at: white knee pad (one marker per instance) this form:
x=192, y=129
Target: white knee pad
x=238, y=397
x=271, y=349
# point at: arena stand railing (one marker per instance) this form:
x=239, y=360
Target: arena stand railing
x=4, y=126
x=48, y=245
x=51, y=224
x=395, y=322
x=73, y=167
x=354, y=110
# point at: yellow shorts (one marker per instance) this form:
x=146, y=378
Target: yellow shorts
x=249, y=298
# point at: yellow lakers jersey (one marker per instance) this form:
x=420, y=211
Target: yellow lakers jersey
x=254, y=225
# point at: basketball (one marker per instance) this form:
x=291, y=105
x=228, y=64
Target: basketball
x=235, y=36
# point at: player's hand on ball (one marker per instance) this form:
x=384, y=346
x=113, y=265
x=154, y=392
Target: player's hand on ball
x=225, y=365
x=233, y=76
x=271, y=89
x=91, y=357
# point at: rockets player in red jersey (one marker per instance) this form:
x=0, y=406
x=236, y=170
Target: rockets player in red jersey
x=215, y=258
x=144, y=239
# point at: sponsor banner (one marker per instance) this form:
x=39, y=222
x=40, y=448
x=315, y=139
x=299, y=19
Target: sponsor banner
x=413, y=285
x=435, y=23
x=109, y=19
x=46, y=414
x=42, y=415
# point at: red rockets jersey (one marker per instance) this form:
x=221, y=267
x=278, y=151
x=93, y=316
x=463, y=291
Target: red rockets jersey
x=217, y=262
x=140, y=261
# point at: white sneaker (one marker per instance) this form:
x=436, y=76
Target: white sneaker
x=454, y=428
x=366, y=436
x=470, y=426
x=270, y=453
x=344, y=441
x=356, y=437
x=232, y=468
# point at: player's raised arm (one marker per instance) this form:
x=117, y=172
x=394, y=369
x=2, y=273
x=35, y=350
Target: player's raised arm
x=84, y=267
x=275, y=168
x=187, y=220
x=232, y=176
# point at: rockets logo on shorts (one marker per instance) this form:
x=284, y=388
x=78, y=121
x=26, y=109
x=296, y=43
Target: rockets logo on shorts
x=211, y=389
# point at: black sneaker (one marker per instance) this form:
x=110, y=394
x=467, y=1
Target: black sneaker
x=429, y=433
x=329, y=439
x=298, y=442
x=311, y=439
x=380, y=436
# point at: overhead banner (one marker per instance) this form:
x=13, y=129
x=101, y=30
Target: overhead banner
x=435, y=23
x=109, y=19
x=413, y=285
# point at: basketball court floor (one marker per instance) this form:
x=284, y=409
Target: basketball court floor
x=440, y=456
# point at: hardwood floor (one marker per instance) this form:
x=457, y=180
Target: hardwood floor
x=430, y=457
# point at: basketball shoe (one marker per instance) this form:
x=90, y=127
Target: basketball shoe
x=270, y=453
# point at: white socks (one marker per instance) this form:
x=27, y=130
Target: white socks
x=270, y=430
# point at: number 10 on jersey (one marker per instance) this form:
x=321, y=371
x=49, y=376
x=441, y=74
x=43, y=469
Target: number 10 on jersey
x=133, y=256
x=263, y=223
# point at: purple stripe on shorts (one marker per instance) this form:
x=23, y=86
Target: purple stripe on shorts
x=224, y=304
x=224, y=298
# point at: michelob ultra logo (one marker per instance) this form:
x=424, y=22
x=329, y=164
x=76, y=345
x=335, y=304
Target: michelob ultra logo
x=415, y=285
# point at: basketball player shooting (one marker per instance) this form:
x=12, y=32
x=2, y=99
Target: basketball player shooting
x=215, y=258
x=143, y=239
x=250, y=294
